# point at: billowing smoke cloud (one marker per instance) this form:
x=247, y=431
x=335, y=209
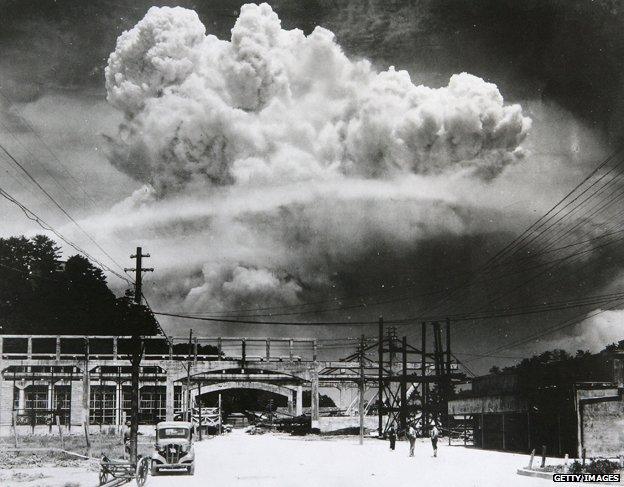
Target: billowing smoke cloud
x=601, y=327
x=279, y=160
x=276, y=105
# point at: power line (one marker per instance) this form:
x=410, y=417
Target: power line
x=253, y=322
x=534, y=309
x=559, y=326
x=487, y=267
x=31, y=215
x=58, y=205
x=26, y=123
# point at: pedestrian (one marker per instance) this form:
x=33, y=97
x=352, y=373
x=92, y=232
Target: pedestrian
x=392, y=437
x=434, y=440
x=411, y=436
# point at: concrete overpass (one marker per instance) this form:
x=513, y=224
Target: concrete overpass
x=86, y=379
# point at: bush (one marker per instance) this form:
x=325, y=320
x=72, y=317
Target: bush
x=598, y=467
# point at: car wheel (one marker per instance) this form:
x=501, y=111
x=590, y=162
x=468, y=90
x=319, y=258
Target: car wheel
x=191, y=470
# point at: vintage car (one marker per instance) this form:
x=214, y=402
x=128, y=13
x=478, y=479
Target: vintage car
x=174, y=450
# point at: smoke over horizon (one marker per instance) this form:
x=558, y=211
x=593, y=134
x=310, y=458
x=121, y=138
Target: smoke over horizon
x=287, y=161
x=264, y=166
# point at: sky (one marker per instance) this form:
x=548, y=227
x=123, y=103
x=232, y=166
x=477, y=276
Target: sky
x=366, y=163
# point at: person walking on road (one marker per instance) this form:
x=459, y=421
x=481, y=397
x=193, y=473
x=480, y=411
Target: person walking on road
x=392, y=437
x=411, y=436
x=434, y=440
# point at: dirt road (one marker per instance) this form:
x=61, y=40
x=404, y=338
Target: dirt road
x=242, y=460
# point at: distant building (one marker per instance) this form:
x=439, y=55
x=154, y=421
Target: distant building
x=568, y=406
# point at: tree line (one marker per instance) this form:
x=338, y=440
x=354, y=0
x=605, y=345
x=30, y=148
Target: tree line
x=42, y=294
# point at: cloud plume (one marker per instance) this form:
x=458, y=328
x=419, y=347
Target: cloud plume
x=277, y=161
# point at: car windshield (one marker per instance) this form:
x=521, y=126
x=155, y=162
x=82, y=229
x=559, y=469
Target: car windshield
x=172, y=433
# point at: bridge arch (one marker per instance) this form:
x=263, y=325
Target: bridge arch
x=263, y=386
x=301, y=371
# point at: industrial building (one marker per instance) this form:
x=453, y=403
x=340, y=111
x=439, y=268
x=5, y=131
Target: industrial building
x=85, y=380
x=571, y=407
x=79, y=381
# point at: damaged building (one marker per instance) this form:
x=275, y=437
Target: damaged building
x=573, y=407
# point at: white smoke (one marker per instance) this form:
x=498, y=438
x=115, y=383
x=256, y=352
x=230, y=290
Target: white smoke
x=601, y=327
x=273, y=156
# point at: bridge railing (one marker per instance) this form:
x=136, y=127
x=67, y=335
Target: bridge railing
x=78, y=347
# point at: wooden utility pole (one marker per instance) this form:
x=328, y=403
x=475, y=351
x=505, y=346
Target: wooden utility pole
x=189, y=410
x=380, y=385
x=403, y=416
x=86, y=387
x=199, y=405
x=423, y=386
x=220, y=420
x=361, y=405
x=136, y=354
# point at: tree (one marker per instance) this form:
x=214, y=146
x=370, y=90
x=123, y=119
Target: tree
x=28, y=274
x=40, y=294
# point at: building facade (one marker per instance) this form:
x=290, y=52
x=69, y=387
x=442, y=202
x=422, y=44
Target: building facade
x=574, y=407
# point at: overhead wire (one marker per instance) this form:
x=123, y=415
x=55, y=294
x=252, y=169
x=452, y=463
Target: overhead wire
x=24, y=121
x=557, y=327
x=538, y=224
x=483, y=270
x=59, y=206
x=31, y=215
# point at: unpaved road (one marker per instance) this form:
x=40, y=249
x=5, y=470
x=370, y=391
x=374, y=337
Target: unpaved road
x=241, y=460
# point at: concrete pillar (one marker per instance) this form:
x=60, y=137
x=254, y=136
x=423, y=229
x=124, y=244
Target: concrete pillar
x=290, y=350
x=315, y=399
x=86, y=395
x=21, y=386
x=5, y=395
x=76, y=402
x=58, y=348
x=29, y=347
x=299, y=401
x=115, y=343
x=169, y=396
x=21, y=398
x=49, y=405
x=6, y=405
x=118, y=404
x=193, y=396
x=290, y=405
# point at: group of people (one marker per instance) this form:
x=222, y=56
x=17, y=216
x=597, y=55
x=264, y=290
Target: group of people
x=411, y=436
